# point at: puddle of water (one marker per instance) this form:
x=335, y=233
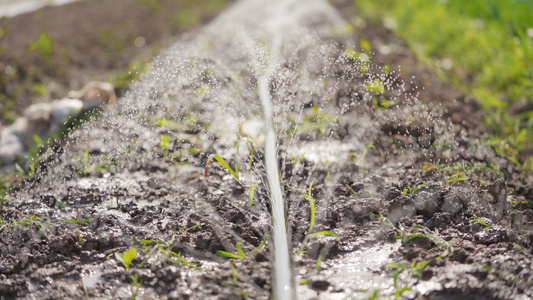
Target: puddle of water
x=356, y=274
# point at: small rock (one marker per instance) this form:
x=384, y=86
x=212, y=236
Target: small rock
x=452, y=204
x=11, y=146
x=61, y=109
x=38, y=113
x=426, y=203
x=95, y=93
x=401, y=207
x=320, y=285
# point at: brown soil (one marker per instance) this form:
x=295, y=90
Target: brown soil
x=429, y=185
x=92, y=40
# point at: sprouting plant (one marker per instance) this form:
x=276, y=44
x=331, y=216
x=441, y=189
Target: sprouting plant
x=456, y=177
x=223, y=162
x=252, y=150
x=134, y=286
x=422, y=232
x=164, y=142
x=296, y=159
x=309, y=197
x=235, y=278
x=318, y=263
x=126, y=258
x=190, y=228
x=80, y=237
x=412, y=191
x=397, y=268
x=240, y=253
x=251, y=193
x=34, y=220
x=480, y=221
x=5, y=197
x=44, y=45
x=164, y=248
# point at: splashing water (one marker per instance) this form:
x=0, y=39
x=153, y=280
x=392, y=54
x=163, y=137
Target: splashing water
x=273, y=76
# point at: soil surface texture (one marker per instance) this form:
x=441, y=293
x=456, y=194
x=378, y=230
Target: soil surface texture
x=418, y=208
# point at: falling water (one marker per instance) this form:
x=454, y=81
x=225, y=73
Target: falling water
x=257, y=63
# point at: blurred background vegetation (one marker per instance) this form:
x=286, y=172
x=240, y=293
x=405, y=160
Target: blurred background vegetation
x=485, y=47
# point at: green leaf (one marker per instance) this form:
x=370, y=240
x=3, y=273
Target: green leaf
x=251, y=194
x=225, y=165
x=164, y=141
x=228, y=254
x=239, y=249
x=325, y=232
x=126, y=258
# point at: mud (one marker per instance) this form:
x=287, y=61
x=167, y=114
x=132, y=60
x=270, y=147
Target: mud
x=428, y=212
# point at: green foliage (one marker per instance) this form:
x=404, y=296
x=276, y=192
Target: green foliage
x=164, y=142
x=227, y=167
x=480, y=221
x=134, y=286
x=126, y=258
x=5, y=197
x=309, y=197
x=485, y=46
x=413, y=191
x=240, y=253
x=251, y=194
x=44, y=45
x=457, y=177
x=164, y=250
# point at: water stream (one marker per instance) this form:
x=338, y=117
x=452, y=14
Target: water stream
x=266, y=65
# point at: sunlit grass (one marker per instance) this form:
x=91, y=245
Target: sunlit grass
x=484, y=47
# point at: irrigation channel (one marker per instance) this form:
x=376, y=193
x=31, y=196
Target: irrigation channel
x=264, y=156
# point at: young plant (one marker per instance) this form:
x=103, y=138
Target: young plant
x=239, y=255
x=457, y=177
x=250, y=194
x=134, y=286
x=480, y=221
x=412, y=191
x=164, y=249
x=223, y=162
x=31, y=220
x=309, y=197
x=126, y=258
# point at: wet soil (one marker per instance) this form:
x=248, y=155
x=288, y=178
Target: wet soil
x=429, y=212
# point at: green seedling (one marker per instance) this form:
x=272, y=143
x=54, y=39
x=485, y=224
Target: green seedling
x=190, y=228
x=457, y=177
x=44, y=45
x=296, y=159
x=134, y=286
x=225, y=165
x=126, y=258
x=164, y=142
x=5, y=197
x=80, y=237
x=409, y=190
x=318, y=263
x=261, y=246
x=252, y=150
x=251, y=193
x=480, y=221
x=239, y=255
x=235, y=278
x=397, y=268
x=309, y=197
x=164, y=249
x=34, y=220
x=74, y=221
